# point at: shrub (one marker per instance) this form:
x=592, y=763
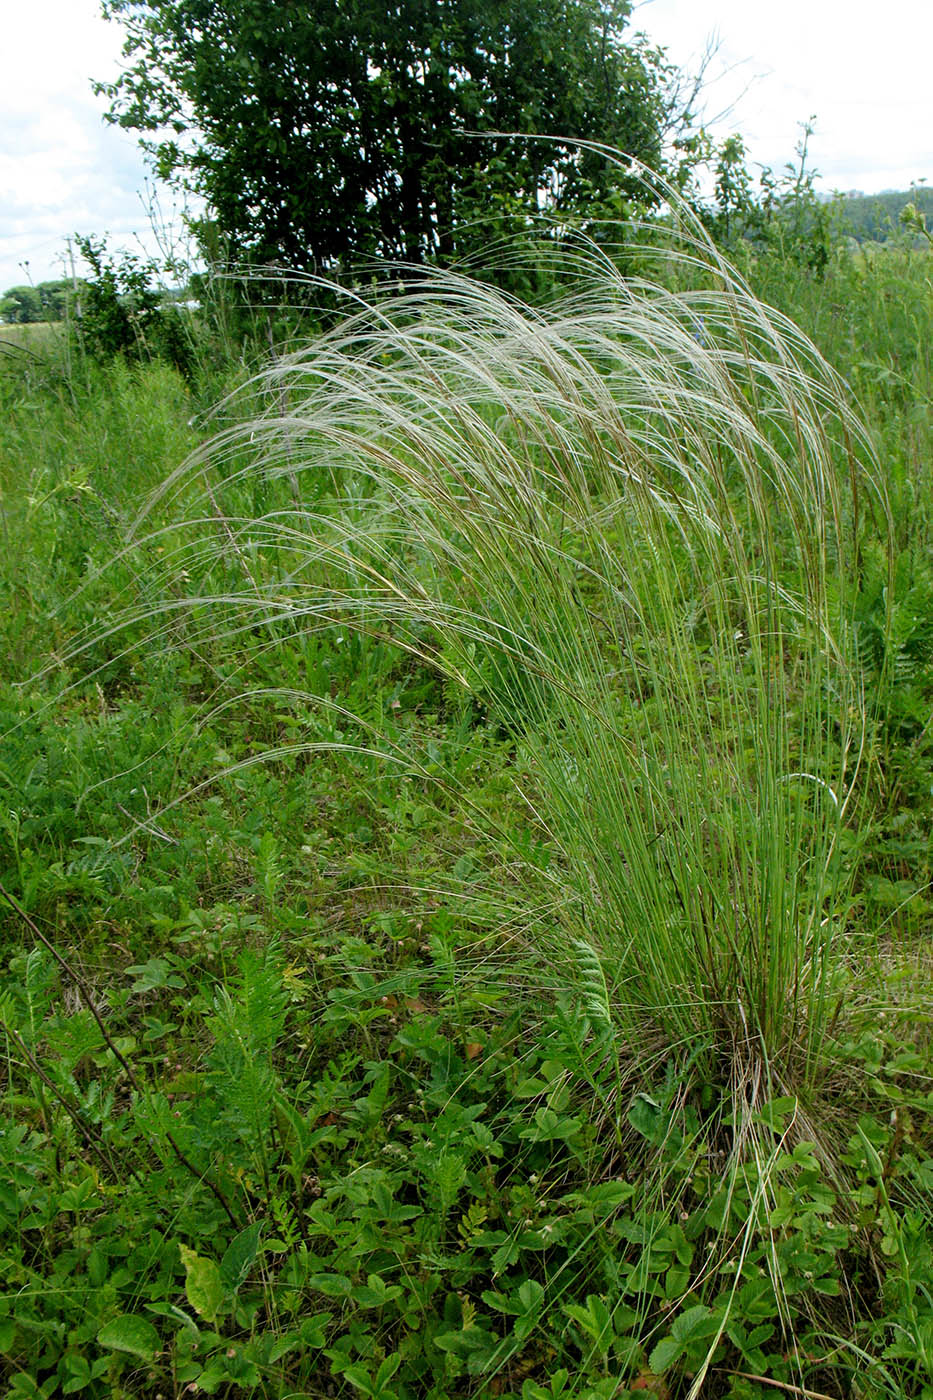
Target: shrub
x=122, y=313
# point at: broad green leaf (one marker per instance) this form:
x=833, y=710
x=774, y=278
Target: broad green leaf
x=759, y=1334
x=358, y=1375
x=530, y=1088
x=314, y=1329
x=506, y=1254
x=176, y=1314
x=374, y=1293
x=291, y=1341
x=665, y=1354
x=388, y=1369
x=132, y=1334
x=77, y=1197
x=331, y=1285
x=79, y=1374
x=240, y=1257
x=595, y=1319
x=204, y=1285
x=647, y=1118
x=777, y=1112
x=691, y=1321
x=531, y=1295
x=550, y=1126
x=498, y=1301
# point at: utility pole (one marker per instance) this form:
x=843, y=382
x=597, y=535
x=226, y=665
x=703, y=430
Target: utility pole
x=74, y=277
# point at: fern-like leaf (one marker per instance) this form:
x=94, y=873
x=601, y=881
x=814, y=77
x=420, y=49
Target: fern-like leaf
x=593, y=985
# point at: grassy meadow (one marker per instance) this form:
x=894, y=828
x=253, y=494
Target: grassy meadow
x=465, y=839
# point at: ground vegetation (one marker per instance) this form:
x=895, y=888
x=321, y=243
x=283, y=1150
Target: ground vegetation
x=464, y=844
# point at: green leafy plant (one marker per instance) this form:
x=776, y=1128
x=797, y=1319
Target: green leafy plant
x=623, y=588
x=120, y=312
x=447, y=838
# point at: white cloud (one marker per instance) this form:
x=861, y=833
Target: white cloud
x=862, y=72
x=62, y=170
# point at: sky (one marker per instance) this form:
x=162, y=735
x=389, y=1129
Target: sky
x=861, y=70
x=863, y=73
x=62, y=169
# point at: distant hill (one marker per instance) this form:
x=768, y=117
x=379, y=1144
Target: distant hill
x=877, y=216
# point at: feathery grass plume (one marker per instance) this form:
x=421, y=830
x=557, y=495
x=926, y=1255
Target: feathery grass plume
x=627, y=522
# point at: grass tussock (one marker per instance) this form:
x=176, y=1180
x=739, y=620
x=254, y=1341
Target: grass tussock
x=468, y=910
x=626, y=524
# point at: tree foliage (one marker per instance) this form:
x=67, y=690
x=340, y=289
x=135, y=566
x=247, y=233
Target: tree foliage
x=121, y=312
x=784, y=215
x=347, y=128
x=875, y=217
x=26, y=304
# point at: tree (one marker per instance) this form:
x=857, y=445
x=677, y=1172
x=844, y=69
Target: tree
x=121, y=312
x=734, y=198
x=21, y=305
x=46, y=302
x=343, y=129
